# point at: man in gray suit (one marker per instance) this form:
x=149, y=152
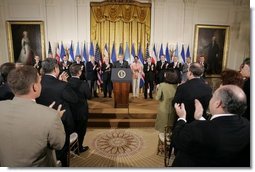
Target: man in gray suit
x=29, y=132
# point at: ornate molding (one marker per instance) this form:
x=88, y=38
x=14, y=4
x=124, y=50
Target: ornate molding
x=121, y=1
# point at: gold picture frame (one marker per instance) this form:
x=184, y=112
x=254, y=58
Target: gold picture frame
x=215, y=52
x=25, y=40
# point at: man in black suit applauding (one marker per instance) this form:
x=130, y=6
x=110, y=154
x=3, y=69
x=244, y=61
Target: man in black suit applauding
x=64, y=65
x=222, y=141
x=107, y=71
x=121, y=63
x=194, y=88
x=92, y=67
x=80, y=109
x=54, y=89
x=149, y=70
x=162, y=66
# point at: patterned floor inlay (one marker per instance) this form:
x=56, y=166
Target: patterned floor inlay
x=117, y=142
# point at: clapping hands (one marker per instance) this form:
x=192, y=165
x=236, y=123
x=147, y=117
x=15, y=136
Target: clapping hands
x=59, y=111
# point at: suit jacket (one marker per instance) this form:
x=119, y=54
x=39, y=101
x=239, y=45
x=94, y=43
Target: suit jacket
x=246, y=89
x=178, y=66
x=221, y=142
x=81, y=88
x=83, y=76
x=64, y=68
x=161, y=68
x=29, y=134
x=5, y=93
x=58, y=91
x=106, y=72
x=117, y=64
x=189, y=91
x=90, y=73
x=149, y=71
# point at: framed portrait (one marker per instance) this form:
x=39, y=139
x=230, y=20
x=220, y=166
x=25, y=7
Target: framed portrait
x=211, y=44
x=25, y=40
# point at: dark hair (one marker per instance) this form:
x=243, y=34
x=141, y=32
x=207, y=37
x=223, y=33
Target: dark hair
x=5, y=70
x=20, y=79
x=74, y=69
x=136, y=57
x=171, y=76
x=78, y=56
x=232, y=77
x=48, y=65
x=231, y=101
x=196, y=69
x=246, y=61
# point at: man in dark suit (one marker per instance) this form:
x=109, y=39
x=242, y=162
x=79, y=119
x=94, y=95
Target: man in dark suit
x=201, y=60
x=64, y=65
x=222, y=141
x=80, y=109
x=92, y=67
x=246, y=73
x=161, y=67
x=78, y=60
x=185, y=69
x=121, y=63
x=177, y=66
x=107, y=83
x=5, y=93
x=53, y=89
x=149, y=71
x=194, y=88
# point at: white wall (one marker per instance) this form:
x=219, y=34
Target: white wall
x=172, y=21
x=175, y=20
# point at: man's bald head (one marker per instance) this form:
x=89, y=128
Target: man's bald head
x=233, y=99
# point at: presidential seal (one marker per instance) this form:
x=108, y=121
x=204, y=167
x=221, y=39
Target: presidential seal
x=122, y=74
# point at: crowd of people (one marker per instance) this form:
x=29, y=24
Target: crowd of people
x=47, y=102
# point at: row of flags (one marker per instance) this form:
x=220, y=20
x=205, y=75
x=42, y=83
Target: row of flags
x=61, y=52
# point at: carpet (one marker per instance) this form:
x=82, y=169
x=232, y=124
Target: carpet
x=132, y=147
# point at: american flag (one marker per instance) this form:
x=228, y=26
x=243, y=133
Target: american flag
x=147, y=51
x=98, y=59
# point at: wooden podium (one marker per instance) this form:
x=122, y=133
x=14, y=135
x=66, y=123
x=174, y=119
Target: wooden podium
x=121, y=78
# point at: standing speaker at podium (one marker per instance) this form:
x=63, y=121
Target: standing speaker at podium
x=121, y=77
x=121, y=63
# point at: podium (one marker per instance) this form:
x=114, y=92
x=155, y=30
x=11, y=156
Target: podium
x=121, y=78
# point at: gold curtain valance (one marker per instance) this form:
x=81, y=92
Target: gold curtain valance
x=117, y=12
